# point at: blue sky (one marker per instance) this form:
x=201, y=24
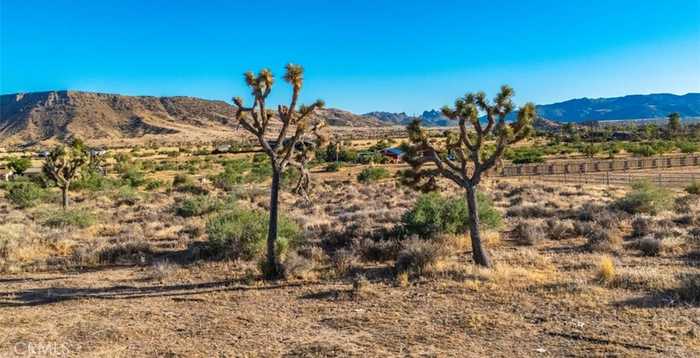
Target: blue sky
x=359, y=55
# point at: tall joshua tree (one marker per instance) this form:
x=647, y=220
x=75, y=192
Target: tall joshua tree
x=63, y=164
x=465, y=158
x=284, y=147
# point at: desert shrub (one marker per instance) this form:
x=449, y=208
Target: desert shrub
x=559, y=229
x=433, y=215
x=132, y=176
x=643, y=150
x=649, y=246
x=197, y=206
x=688, y=147
x=25, y=194
x=186, y=184
x=153, y=185
x=232, y=175
x=373, y=174
x=131, y=250
x=689, y=288
x=80, y=218
x=642, y=225
x=19, y=165
x=524, y=155
x=125, y=195
x=343, y=261
x=379, y=250
x=296, y=266
x=529, y=211
x=528, y=232
x=693, y=188
x=333, y=167
x=418, y=256
x=243, y=233
x=182, y=179
x=602, y=240
x=645, y=198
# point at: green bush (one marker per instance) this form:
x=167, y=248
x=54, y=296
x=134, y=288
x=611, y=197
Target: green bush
x=25, y=194
x=92, y=181
x=233, y=174
x=197, y=206
x=525, y=155
x=242, y=233
x=125, y=195
x=688, y=147
x=643, y=150
x=132, y=176
x=373, y=174
x=153, y=184
x=19, y=165
x=644, y=198
x=434, y=214
x=333, y=167
x=76, y=217
x=693, y=188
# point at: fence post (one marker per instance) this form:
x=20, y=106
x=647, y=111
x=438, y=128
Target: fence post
x=607, y=178
x=659, y=179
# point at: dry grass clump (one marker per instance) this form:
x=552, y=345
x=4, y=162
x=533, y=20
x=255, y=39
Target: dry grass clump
x=159, y=271
x=606, y=270
x=529, y=232
x=419, y=257
x=125, y=251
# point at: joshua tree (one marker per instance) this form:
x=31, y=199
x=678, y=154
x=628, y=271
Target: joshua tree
x=63, y=164
x=674, y=124
x=465, y=157
x=284, y=148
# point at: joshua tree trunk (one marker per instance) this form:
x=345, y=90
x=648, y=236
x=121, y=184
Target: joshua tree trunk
x=64, y=194
x=481, y=257
x=272, y=229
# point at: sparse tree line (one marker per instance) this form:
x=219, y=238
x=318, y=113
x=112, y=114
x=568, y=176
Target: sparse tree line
x=463, y=158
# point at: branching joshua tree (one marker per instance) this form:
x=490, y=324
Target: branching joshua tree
x=282, y=148
x=465, y=158
x=63, y=164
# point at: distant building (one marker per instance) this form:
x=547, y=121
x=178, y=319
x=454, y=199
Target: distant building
x=394, y=154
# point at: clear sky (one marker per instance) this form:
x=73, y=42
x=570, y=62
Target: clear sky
x=359, y=55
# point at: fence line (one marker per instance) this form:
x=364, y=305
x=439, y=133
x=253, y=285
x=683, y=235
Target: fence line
x=615, y=179
x=600, y=166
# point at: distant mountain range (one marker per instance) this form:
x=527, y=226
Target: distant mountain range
x=582, y=110
x=622, y=108
x=43, y=117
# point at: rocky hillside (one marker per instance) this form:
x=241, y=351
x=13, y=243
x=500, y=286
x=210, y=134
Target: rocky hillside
x=46, y=117
x=430, y=118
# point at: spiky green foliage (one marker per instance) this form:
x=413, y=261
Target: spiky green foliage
x=463, y=158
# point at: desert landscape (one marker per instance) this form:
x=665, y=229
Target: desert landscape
x=174, y=184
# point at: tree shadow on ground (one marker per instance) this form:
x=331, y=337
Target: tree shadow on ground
x=43, y=296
